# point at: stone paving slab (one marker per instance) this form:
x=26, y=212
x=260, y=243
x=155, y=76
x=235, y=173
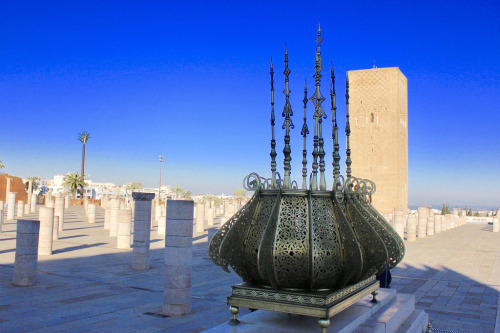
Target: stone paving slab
x=88, y=285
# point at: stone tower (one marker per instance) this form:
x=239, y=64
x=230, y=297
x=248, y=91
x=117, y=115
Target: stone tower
x=378, y=107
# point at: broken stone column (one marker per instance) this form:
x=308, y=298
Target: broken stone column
x=46, y=216
x=430, y=226
x=207, y=207
x=59, y=210
x=142, y=230
x=399, y=222
x=411, y=229
x=26, y=252
x=210, y=221
x=178, y=256
x=27, y=209
x=91, y=213
x=1, y=215
x=7, y=189
x=34, y=198
x=11, y=204
x=200, y=217
x=463, y=220
x=55, y=230
x=67, y=201
x=161, y=220
x=450, y=221
x=107, y=212
x=496, y=226
x=30, y=190
x=113, y=217
x=437, y=224
x=20, y=208
x=123, y=230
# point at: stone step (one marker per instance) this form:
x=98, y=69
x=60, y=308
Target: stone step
x=390, y=318
x=416, y=323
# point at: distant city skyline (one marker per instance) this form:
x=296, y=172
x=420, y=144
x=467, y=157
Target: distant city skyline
x=190, y=80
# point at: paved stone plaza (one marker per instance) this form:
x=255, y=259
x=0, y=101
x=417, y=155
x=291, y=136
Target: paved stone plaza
x=87, y=283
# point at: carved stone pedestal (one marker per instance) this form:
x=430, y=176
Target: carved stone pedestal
x=320, y=304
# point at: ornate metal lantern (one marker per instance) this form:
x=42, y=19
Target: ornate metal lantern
x=309, y=239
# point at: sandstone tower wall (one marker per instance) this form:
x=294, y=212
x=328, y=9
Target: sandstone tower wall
x=378, y=107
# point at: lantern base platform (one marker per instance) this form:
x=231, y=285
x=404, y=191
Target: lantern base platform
x=320, y=304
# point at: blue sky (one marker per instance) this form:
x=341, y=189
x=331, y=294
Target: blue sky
x=190, y=80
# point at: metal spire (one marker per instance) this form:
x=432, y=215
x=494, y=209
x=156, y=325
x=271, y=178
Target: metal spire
x=287, y=125
x=304, y=133
x=348, y=161
x=273, y=141
x=319, y=115
x=336, y=155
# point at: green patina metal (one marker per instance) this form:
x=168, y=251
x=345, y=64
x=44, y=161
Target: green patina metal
x=307, y=239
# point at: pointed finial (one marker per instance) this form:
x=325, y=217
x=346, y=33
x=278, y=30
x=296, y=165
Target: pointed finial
x=273, y=141
x=348, y=160
x=287, y=125
x=304, y=133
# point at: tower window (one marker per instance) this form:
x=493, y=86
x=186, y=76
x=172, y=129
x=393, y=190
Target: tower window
x=372, y=116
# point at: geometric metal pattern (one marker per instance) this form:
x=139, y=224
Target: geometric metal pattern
x=308, y=240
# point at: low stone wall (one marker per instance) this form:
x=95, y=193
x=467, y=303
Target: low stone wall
x=479, y=219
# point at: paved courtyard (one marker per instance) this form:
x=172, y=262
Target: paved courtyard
x=88, y=285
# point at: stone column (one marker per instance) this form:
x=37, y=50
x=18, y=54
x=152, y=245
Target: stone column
x=450, y=221
x=123, y=230
x=11, y=204
x=26, y=252
x=496, y=226
x=55, y=231
x=437, y=224
x=107, y=212
x=200, y=217
x=399, y=222
x=178, y=256
x=210, y=221
x=153, y=209
x=20, y=208
x=67, y=201
x=161, y=220
x=91, y=213
x=142, y=230
x=86, y=203
x=1, y=216
x=207, y=207
x=463, y=220
x=411, y=229
x=59, y=210
x=34, y=197
x=27, y=209
x=7, y=189
x=46, y=216
x=113, y=217
x=430, y=226
x=30, y=190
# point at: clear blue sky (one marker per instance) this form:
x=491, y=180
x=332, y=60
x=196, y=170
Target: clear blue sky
x=190, y=80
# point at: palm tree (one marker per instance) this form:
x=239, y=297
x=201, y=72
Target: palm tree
x=186, y=195
x=34, y=183
x=73, y=181
x=1, y=165
x=177, y=190
x=84, y=138
x=133, y=186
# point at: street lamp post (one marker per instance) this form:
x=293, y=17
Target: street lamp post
x=161, y=158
